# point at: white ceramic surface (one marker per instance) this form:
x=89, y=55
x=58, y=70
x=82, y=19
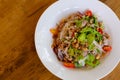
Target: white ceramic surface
x=43, y=38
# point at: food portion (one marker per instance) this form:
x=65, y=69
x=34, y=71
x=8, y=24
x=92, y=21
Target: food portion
x=80, y=40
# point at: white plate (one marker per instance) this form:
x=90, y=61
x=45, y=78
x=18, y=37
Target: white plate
x=43, y=38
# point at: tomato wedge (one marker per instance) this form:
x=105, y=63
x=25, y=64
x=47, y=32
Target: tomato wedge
x=100, y=30
x=107, y=48
x=88, y=13
x=53, y=31
x=69, y=65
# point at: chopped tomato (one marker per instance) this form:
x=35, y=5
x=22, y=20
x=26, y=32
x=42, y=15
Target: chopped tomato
x=100, y=30
x=69, y=65
x=53, y=31
x=88, y=13
x=107, y=48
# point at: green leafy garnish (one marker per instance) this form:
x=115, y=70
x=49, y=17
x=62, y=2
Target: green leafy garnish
x=71, y=51
x=91, y=57
x=91, y=46
x=82, y=37
x=98, y=51
x=95, y=21
x=77, y=65
x=78, y=23
x=90, y=38
x=80, y=57
x=77, y=51
x=99, y=37
x=87, y=18
x=91, y=61
x=87, y=29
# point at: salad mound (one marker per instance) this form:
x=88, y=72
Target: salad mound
x=80, y=40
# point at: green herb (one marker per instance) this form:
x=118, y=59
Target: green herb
x=71, y=51
x=77, y=65
x=77, y=51
x=87, y=29
x=91, y=57
x=82, y=38
x=95, y=21
x=98, y=51
x=87, y=18
x=99, y=37
x=91, y=61
x=90, y=38
x=80, y=57
x=78, y=23
x=91, y=46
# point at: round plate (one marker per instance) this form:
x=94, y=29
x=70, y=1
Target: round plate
x=43, y=38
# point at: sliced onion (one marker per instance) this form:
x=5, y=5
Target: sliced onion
x=84, y=23
x=85, y=53
x=60, y=55
x=98, y=46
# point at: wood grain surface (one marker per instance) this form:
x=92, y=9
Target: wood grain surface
x=18, y=57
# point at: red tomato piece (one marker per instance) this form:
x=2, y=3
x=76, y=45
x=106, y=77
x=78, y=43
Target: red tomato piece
x=88, y=13
x=69, y=65
x=100, y=30
x=53, y=31
x=107, y=48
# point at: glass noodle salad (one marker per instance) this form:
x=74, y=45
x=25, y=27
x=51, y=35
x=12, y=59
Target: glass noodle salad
x=80, y=40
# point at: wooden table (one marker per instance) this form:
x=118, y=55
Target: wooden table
x=18, y=57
